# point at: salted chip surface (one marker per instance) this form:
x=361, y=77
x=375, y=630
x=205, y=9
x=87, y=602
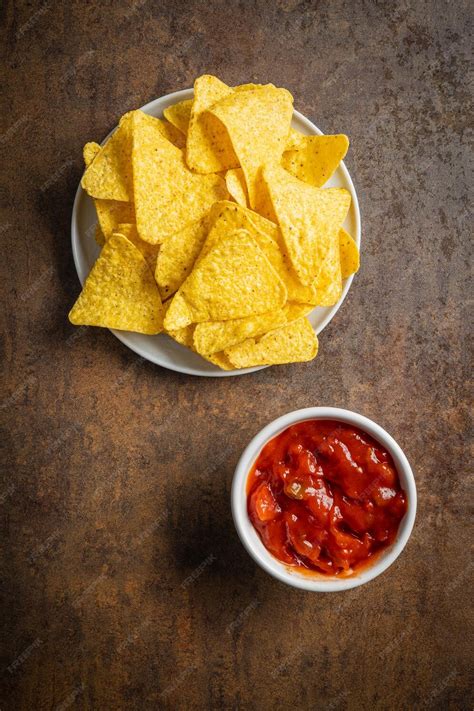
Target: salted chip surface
x=179, y=115
x=208, y=147
x=214, y=336
x=120, y=291
x=112, y=213
x=350, y=258
x=329, y=280
x=296, y=342
x=149, y=251
x=258, y=122
x=233, y=280
x=221, y=360
x=167, y=195
x=99, y=236
x=89, y=152
x=309, y=218
x=316, y=158
x=237, y=187
x=109, y=176
x=225, y=216
x=173, y=134
x=177, y=256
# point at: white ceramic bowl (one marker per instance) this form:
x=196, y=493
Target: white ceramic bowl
x=161, y=349
x=250, y=538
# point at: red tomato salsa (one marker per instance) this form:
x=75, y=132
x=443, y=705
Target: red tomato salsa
x=325, y=496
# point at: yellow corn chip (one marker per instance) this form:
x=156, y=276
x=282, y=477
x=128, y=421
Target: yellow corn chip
x=293, y=312
x=350, y=260
x=112, y=213
x=149, y=251
x=168, y=196
x=179, y=115
x=177, y=256
x=109, y=177
x=214, y=336
x=329, y=280
x=236, y=185
x=183, y=336
x=258, y=123
x=316, y=158
x=99, y=236
x=294, y=140
x=120, y=292
x=221, y=360
x=226, y=216
x=309, y=219
x=89, y=152
x=173, y=134
x=233, y=280
x=208, y=148
x=296, y=342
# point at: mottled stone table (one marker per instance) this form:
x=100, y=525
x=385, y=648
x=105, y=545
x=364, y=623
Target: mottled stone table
x=125, y=584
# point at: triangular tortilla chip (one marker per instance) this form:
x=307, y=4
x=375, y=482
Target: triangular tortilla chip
x=89, y=152
x=177, y=256
x=179, y=115
x=233, y=280
x=237, y=187
x=316, y=158
x=109, y=176
x=208, y=148
x=258, y=122
x=296, y=342
x=167, y=195
x=214, y=336
x=149, y=251
x=329, y=280
x=309, y=218
x=226, y=216
x=112, y=213
x=120, y=292
x=350, y=258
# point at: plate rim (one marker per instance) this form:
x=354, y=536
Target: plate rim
x=174, y=97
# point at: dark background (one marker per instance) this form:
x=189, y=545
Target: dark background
x=117, y=477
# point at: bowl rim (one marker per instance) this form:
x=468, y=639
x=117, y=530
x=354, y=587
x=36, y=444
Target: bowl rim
x=138, y=343
x=252, y=542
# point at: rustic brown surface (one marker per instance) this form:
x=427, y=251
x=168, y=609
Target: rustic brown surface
x=118, y=473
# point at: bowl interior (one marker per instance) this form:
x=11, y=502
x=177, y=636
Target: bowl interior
x=292, y=576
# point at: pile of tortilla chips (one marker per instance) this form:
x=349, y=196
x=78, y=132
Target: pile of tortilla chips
x=215, y=227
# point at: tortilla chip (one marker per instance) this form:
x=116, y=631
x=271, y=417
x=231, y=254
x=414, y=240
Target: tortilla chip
x=258, y=122
x=294, y=343
x=309, y=219
x=168, y=196
x=214, y=336
x=179, y=115
x=89, y=152
x=316, y=158
x=177, y=256
x=294, y=140
x=233, y=280
x=120, y=291
x=221, y=360
x=112, y=213
x=183, y=336
x=237, y=187
x=99, y=236
x=225, y=216
x=109, y=176
x=208, y=148
x=350, y=259
x=329, y=280
x=149, y=251
x=173, y=134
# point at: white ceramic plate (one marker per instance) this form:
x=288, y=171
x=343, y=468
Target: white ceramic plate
x=161, y=349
